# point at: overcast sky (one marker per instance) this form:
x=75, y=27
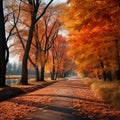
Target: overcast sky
x=56, y=1
x=59, y=1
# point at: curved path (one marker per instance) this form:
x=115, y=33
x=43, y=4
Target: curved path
x=61, y=106
x=69, y=99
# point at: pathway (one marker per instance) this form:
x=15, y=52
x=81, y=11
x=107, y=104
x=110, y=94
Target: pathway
x=61, y=107
x=63, y=100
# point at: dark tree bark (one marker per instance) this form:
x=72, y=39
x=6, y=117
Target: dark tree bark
x=37, y=74
x=24, y=79
x=104, y=75
x=53, y=69
x=3, y=47
x=118, y=60
x=36, y=53
x=29, y=58
x=118, y=74
x=103, y=71
x=109, y=75
x=42, y=73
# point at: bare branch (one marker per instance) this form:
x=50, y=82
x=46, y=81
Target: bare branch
x=15, y=22
x=44, y=10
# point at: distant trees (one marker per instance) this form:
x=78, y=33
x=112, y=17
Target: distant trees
x=16, y=69
x=57, y=54
x=13, y=69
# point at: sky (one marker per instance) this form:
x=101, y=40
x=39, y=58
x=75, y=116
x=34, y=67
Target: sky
x=57, y=1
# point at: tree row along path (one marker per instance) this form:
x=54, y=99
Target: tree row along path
x=63, y=100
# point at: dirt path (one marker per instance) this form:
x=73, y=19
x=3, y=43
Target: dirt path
x=64, y=100
x=61, y=106
x=73, y=100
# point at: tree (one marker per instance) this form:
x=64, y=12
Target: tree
x=35, y=16
x=93, y=30
x=58, y=52
x=46, y=34
x=47, y=40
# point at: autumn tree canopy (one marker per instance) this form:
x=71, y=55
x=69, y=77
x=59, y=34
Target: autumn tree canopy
x=94, y=35
x=44, y=35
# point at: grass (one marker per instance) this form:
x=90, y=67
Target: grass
x=116, y=98
x=89, y=81
x=108, y=91
x=13, y=76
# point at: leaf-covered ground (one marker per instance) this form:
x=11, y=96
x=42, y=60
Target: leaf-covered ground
x=92, y=106
x=16, y=108
x=73, y=94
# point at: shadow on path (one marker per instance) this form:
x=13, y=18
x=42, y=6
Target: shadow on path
x=55, y=113
x=61, y=106
x=10, y=92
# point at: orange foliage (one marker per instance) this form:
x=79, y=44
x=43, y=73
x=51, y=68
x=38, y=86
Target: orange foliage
x=93, y=29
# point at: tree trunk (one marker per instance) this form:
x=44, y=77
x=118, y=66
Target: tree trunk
x=103, y=71
x=109, y=75
x=34, y=18
x=57, y=73
x=37, y=74
x=53, y=69
x=42, y=73
x=118, y=74
x=36, y=54
x=118, y=59
x=2, y=47
x=53, y=73
x=24, y=79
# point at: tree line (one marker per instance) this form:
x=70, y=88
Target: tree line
x=16, y=69
x=94, y=36
x=30, y=28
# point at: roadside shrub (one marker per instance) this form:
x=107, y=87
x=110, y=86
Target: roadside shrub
x=116, y=98
x=108, y=91
x=89, y=81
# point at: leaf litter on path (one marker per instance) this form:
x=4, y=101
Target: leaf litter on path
x=92, y=106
